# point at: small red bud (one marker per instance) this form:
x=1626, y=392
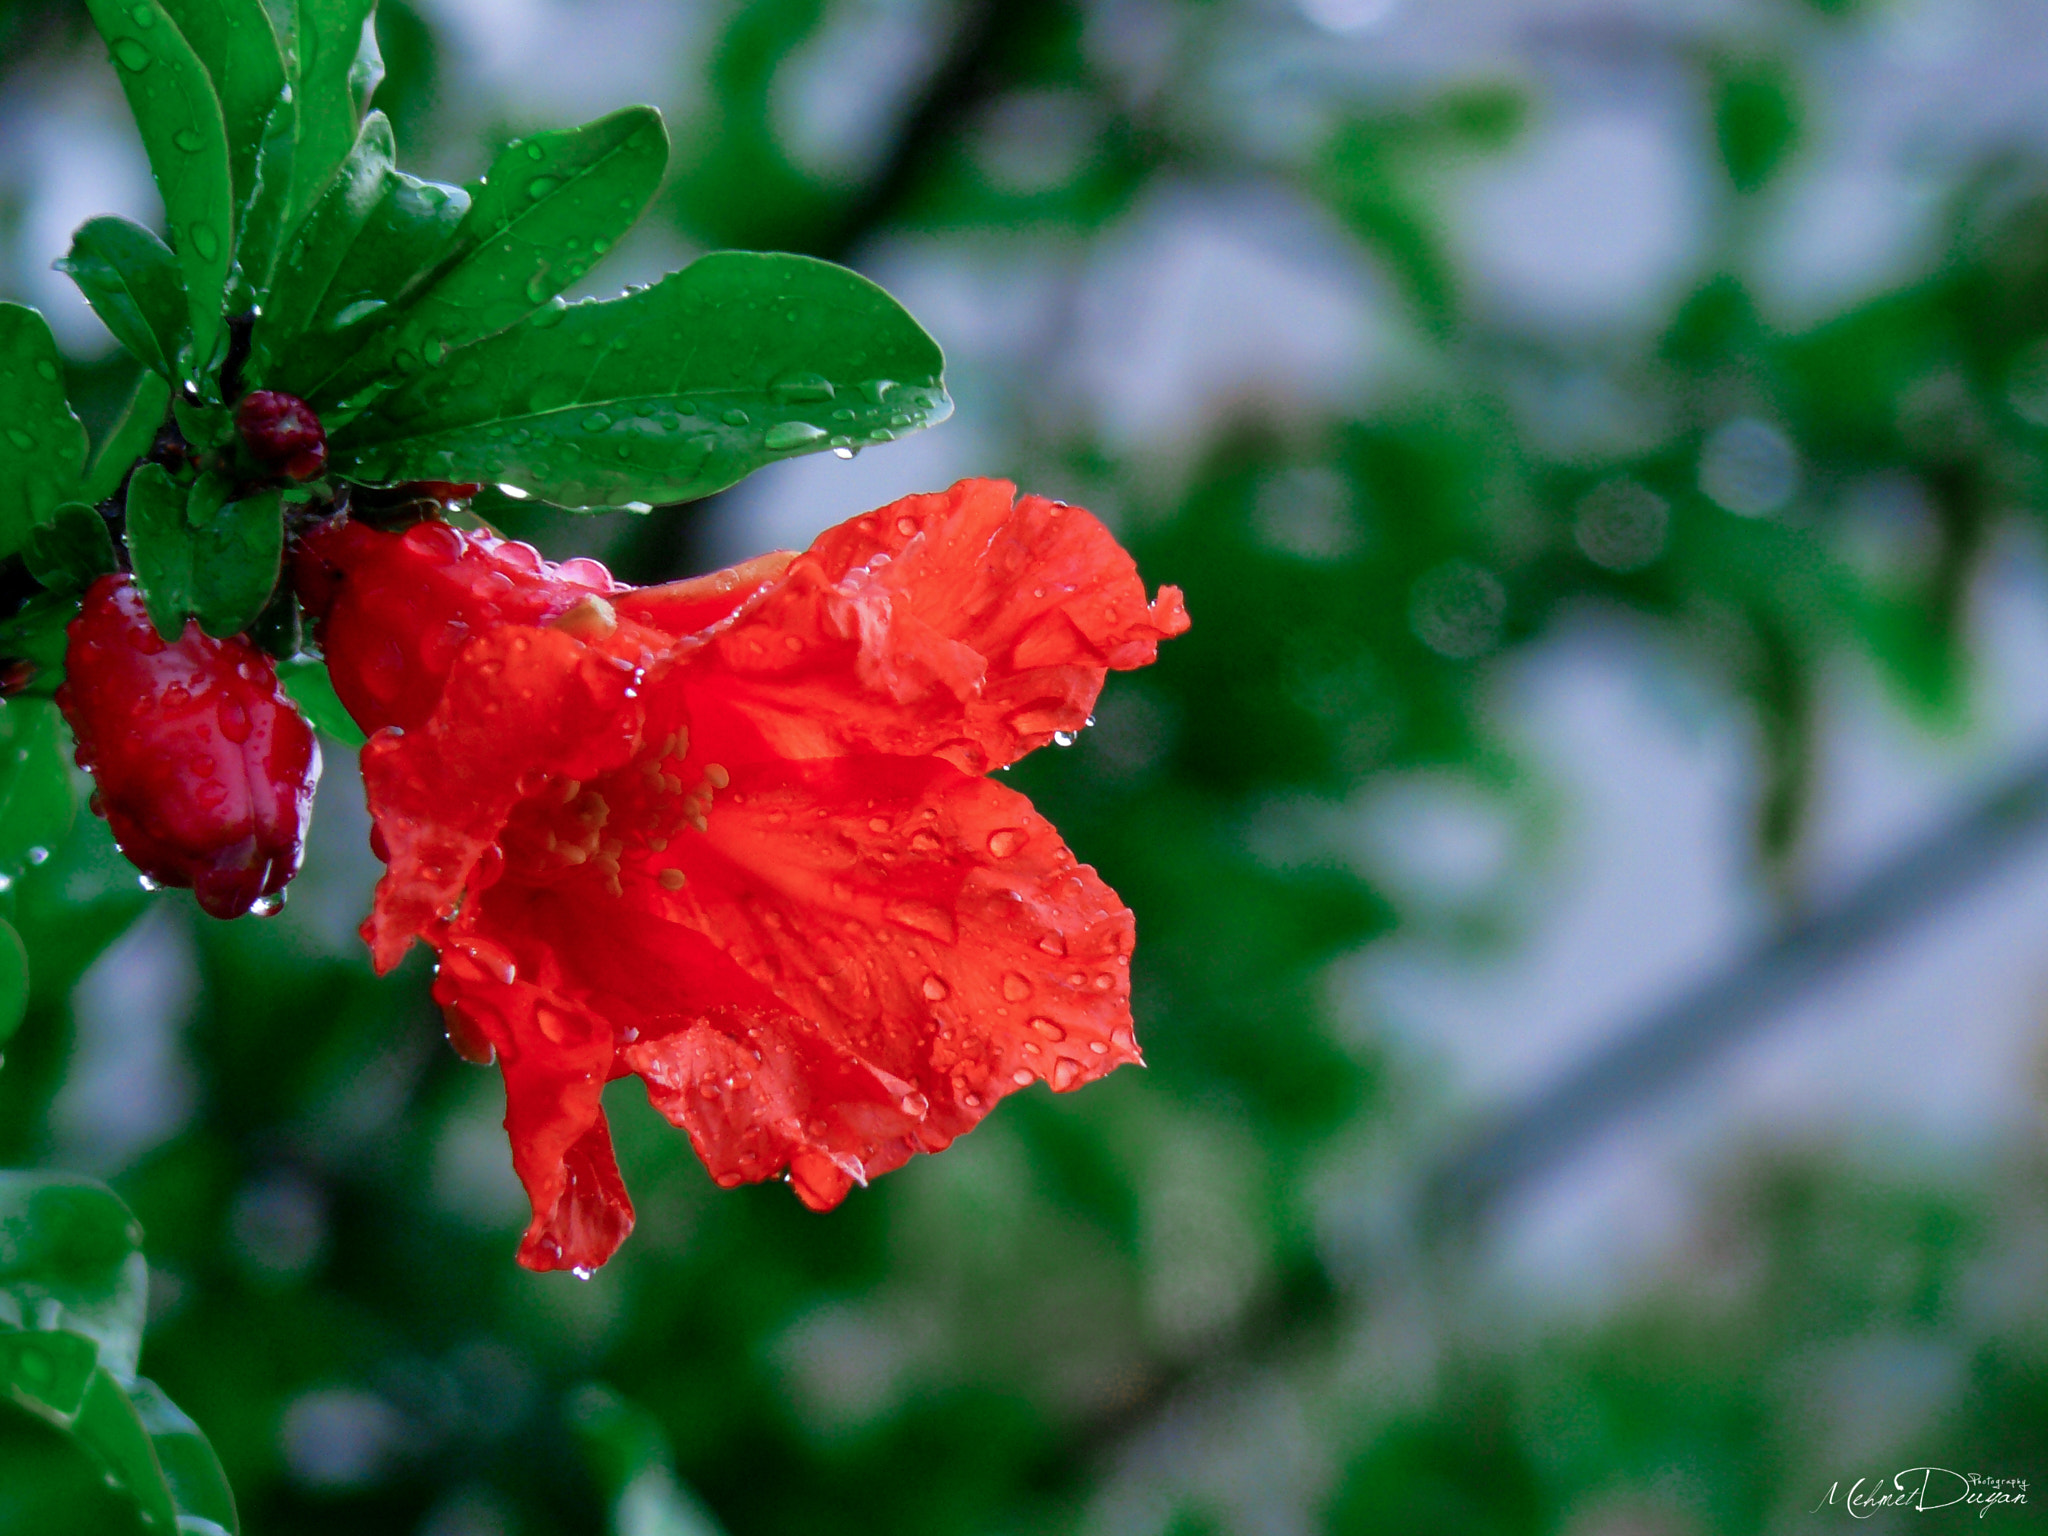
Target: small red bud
x=282, y=433
x=202, y=766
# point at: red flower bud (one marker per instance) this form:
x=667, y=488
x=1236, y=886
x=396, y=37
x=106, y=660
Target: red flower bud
x=282, y=433
x=204, y=769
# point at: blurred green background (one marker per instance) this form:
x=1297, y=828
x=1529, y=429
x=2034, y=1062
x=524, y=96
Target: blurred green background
x=1587, y=853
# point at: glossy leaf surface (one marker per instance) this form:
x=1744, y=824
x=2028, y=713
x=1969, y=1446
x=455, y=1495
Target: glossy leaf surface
x=545, y=212
x=179, y=117
x=666, y=394
x=191, y=1469
x=130, y=278
x=72, y=548
x=42, y=444
x=408, y=231
x=326, y=40
x=198, y=555
x=36, y=801
x=318, y=247
x=237, y=43
x=71, y=1259
x=133, y=430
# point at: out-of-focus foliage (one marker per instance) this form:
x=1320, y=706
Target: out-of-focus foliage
x=1008, y=1337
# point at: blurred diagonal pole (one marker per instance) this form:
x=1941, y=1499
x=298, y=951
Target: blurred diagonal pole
x=1655, y=1055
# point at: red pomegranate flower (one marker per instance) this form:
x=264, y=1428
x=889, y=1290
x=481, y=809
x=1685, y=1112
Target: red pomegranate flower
x=200, y=763
x=733, y=834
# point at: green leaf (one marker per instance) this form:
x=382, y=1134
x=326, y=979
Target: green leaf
x=42, y=445
x=260, y=227
x=1756, y=118
x=327, y=42
x=198, y=1485
x=198, y=554
x=537, y=221
x=71, y=1258
x=662, y=395
x=131, y=436
x=35, y=633
x=36, y=801
x=130, y=278
x=312, y=690
x=237, y=43
x=317, y=248
x=13, y=981
x=71, y=550
x=409, y=230
x=180, y=120
x=109, y=1427
x=48, y=1372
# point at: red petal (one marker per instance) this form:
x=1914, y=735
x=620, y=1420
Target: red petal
x=556, y=1057
x=962, y=623
x=522, y=711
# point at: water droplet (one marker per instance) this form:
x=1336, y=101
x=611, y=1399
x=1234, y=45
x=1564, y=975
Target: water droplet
x=1016, y=989
x=936, y=990
x=914, y=1105
x=1005, y=841
x=596, y=421
x=188, y=140
x=1022, y=1078
x=20, y=439
x=1063, y=738
x=1047, y=1028
x=842, y=453
x=204, y=240
x=38, y=855
x=541, y=186
x=143, y=16
x=791, y=434
x=267, y=906
x=582, y=1271
x=131, y=54
x=804, y=388
x=734, y=418
x=877, y=389
x=46, y=370
x=1066, y=1072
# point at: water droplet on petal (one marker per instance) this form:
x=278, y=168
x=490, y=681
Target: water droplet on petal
x=1066, y=1072
x=1022, y=1078
x=936, y=990
x=1048, y=1029
x=1005, y=841
x=1016, y=988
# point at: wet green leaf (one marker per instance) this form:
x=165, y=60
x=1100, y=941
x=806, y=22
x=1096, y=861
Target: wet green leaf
x=36, y=634
x=130, y=278
x=109, y=1427
x=673, y=392
x=327, y=41
x=190, y=1467
x=543, y=214
x=408, y=232
x=313, y=691
x=71, y=1258
x=179, y=117
x=71, y=550
x=237, y=43
x=260, y=222
x=36, y=801
x=197, y=554
x=42, y=445
x=129, y=438
x=48, y=1372
x=318, y=247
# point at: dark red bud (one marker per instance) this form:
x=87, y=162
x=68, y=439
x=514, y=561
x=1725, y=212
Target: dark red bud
x=202, y=766
x=282, y=433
